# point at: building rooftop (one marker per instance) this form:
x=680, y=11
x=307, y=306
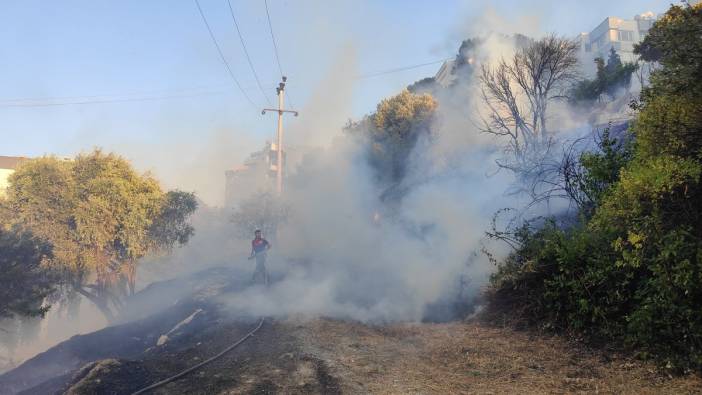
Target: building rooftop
x=10, y=162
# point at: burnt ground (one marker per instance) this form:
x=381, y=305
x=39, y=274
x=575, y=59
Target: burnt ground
x=327, y=356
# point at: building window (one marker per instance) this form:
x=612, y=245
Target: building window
x=626, y=35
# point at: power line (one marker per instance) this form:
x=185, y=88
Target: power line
x=119, y=98
x=124, y=100
x=221, y=55
x=275, y=50
x=246, y=52
x=275, y=46
x=111, y=96
x=399, y=69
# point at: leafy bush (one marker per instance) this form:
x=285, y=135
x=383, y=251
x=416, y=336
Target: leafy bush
x=559, y=280
x=631, y=272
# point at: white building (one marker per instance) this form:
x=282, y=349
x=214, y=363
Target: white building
x=445, y=75
x=258, y=173
x=7, y=167
x=617, y=33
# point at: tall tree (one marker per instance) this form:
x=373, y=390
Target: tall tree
x=393, y=130
x=517, y=92
x=100, y=216
x=674, y=42
x=610, y=80
x=24, y=279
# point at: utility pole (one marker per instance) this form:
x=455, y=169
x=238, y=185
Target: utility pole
x=279, y=137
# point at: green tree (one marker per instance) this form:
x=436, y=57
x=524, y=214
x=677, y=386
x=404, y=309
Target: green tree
x=618, y=74
x=100, y=216
x=261, y=211
x=425, y=85
x=675, y=44
x=610, y=79
x=590, y=91
x=633, y=271
x=393, y=131
x=654, y=213
x=25, y=281
x=170, y=228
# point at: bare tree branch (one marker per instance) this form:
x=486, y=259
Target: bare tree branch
x=517, y=93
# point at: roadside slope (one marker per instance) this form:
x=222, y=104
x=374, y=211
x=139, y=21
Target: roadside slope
x=325, y=356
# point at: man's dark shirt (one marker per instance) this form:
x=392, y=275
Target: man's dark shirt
x=259, y=245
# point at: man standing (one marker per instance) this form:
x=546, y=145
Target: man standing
x=259, y=246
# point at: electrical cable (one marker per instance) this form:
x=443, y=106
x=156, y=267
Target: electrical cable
x=275, y=46
x=221, y=55
x=399, y=69
x=30, y=100
x=275, y=49
x=113, y=99
x=139, y=99
x=246, y=52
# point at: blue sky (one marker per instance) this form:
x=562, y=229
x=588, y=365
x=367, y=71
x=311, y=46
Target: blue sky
x=76, y=51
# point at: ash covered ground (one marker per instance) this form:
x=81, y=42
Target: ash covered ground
x=298, y=355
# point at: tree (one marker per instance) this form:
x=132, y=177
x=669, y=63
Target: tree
x=25, y=284
x=425, y=85
x=393, y=130
x=25, y=281
x=675, y=44
x=171, y=227
x=584, y=174
x=631, y=271
x=618, y=74
x=610, y=79
x=261, y=211
x=99, y=216
x=517, y=93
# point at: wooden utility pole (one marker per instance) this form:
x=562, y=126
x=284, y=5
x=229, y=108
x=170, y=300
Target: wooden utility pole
x=279, y=137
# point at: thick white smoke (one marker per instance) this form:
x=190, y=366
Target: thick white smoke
x=343, y=253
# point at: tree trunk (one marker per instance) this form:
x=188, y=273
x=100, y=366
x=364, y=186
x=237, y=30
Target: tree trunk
x=100, y=301
x=130, y=272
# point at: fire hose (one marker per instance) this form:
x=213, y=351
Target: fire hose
x=201, y=364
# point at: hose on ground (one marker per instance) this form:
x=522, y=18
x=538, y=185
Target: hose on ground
x=201, y=364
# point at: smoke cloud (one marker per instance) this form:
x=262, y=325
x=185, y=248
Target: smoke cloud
x=345, y=253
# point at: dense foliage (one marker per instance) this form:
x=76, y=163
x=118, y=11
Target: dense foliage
x=99, y=216
x=632, y=270
x=393, y=131
x=609, y=80
x=24, y=279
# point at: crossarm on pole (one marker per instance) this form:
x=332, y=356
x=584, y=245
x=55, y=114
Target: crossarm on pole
x=278, y=111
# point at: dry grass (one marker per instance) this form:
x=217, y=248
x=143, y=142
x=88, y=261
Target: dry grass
x=474, y=358
x=331, y=357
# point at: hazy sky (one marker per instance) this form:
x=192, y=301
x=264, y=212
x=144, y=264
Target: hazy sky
x=142, y=50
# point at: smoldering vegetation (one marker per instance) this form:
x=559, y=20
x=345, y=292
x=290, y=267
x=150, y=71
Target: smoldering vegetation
x=382, y=220
x=387, y=221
